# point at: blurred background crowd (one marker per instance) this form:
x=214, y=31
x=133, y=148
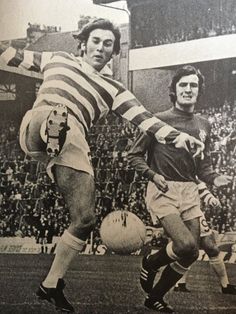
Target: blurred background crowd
x=30, y=203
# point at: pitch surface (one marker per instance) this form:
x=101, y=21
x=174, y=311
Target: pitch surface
x=106, y=285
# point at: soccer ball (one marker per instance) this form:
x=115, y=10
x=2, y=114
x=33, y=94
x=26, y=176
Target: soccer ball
x=122, y=232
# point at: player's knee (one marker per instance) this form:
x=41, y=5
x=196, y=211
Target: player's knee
x=190, y=257
x=88, y=221
x=83, y=225
x=212, y=251
x=193, y=256
x=187, y=249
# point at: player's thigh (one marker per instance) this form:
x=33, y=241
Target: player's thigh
x=33, y=139
x=208, y=244
x=180, y=234
x=78, y=189
x=194, y=227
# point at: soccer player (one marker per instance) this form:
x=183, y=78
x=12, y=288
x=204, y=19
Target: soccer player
x=208, y=244
x=172, y=193
x=42, y=236
x=76, y=92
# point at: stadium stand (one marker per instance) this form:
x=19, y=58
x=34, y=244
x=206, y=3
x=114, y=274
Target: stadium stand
x=166, y=22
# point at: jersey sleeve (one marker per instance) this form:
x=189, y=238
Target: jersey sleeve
x=205, y=171
x=26, y=59
x=137, y=156
x=128, y=107
x=204, y=193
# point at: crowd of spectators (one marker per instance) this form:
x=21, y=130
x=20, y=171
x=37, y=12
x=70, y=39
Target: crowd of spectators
x=29, y=200
x=166, y=22
x=180, y=35
x=223, y=151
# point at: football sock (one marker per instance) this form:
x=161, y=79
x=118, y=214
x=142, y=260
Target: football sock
x=170, y=275
x=163, y=257
x=66, y=250
x=219, y=268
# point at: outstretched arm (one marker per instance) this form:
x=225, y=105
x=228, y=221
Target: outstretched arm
x=127, y=106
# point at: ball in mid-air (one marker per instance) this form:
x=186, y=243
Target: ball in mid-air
x=123, y=232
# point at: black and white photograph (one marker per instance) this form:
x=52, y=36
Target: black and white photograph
x=118, y=156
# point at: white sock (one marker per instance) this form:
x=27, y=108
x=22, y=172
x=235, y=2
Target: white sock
x=219, y=268
x=67, y=249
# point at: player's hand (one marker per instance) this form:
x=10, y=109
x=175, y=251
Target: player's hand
x=222, y=180
x=213, y=201
x=160, y=183
x=190, y=143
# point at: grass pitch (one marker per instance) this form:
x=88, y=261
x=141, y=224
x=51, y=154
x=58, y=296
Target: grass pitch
x=105, y=285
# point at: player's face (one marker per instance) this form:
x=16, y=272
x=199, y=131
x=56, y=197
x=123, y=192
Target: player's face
x=187, y=89
x=99, y=48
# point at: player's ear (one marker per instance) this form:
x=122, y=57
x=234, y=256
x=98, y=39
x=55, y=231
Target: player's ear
x=83, y=46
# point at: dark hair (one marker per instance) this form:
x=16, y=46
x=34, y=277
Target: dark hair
x=100, y=23
x=184, y=71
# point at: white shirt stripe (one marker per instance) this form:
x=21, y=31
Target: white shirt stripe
x=79, y=80
x=61, y=100
x=46, y=56
x=110, y=89
x=146, y=124
x=163, y=132
x=73, y=91
x=121, y=98
x=133, y=112
x=60, y=59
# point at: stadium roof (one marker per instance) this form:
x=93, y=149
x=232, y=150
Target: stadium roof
x=55, y=42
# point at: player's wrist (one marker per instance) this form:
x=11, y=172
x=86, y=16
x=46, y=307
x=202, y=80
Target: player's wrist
x=202, y=186
x=150, y=174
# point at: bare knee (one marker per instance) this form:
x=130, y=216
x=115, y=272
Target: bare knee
x=187, y=249
x=209, y=246
x=81, y=226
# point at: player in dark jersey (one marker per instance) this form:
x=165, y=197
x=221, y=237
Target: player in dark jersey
x=42, y=235
x=76, y=92
x=172, y=192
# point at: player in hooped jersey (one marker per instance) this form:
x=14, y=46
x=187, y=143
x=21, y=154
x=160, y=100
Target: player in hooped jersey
x=172, y=192
x=76, y=92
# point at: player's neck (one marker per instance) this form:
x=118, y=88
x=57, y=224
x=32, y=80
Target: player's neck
x=184, y=108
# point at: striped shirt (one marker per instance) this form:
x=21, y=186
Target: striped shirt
x=88, y=94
